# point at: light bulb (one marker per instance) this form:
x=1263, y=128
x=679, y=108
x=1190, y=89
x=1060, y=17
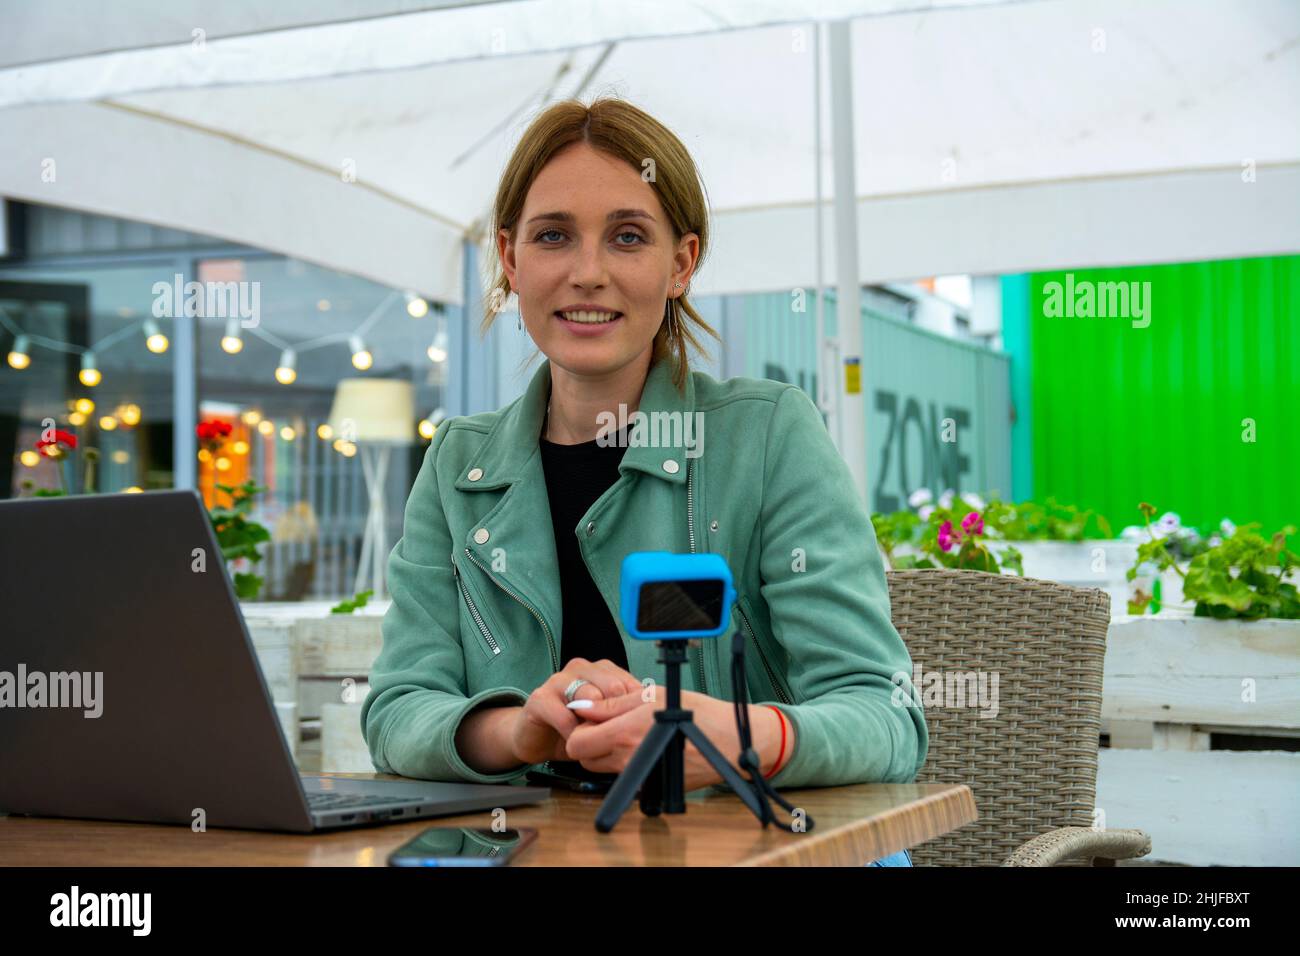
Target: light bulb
x=324, y=431
x=361, y=357
x=20, y=356
x=285, y=373
x=85, y=406
x=130, y=414
x=416, y=307
x=266, y=426
x=154, y=340
x=232, y=341
x=89, y=376
x=438, y=350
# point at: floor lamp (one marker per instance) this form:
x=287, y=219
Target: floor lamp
x=377, y=415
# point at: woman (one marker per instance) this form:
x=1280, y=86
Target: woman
x=501, y=617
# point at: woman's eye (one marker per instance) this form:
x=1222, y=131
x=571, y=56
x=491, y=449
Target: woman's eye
x=548, y=232
x=634, y=235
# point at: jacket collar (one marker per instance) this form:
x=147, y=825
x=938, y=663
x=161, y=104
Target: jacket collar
x=513, y=441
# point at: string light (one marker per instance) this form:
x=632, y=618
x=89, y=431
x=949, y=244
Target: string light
x=430, y=425
x=108, y=423
x=233, y=341
x=416, y=307
x=285, y=372
x=89, y=375
x=85, y=406
x=361, y=357
x=324, y=432
x=437, y=351
x=20, y=355
x=154, y=339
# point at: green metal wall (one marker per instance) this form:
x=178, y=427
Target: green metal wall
x=912, y=380
x=1124, y=414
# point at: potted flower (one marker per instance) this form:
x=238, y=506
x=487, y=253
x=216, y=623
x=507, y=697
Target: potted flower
x=56, y=446
x=951, y=532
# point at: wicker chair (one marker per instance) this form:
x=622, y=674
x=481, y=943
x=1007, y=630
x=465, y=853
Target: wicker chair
x=1033, y=764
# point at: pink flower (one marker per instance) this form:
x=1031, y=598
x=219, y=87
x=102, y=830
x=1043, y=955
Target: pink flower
x=973, y=523
x=946, y=538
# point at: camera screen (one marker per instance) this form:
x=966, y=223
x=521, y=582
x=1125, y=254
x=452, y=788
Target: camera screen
x=680, y=606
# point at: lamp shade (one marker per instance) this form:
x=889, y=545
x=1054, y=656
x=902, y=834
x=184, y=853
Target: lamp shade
x=374, y=410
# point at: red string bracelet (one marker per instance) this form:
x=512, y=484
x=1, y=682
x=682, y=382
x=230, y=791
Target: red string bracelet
x=780, y=756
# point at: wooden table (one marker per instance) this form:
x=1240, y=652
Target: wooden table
x=854, y=825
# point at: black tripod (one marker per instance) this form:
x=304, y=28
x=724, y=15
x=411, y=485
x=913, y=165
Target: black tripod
x=658, y=766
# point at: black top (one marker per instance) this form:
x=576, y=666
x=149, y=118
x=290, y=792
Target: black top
x=576, y=476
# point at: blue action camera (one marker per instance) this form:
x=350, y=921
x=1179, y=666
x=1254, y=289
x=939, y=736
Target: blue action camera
x=666, y=596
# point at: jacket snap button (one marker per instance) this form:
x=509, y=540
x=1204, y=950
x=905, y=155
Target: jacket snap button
x=671, y=466
x=591, y=527
x=481, y=535
x=713, y=525
x=475, y=474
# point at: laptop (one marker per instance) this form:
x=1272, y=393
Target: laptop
x=129, y=688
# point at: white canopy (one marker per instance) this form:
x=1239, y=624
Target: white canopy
x=368, y=136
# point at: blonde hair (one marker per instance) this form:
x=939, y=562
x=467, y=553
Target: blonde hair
x=625, y=132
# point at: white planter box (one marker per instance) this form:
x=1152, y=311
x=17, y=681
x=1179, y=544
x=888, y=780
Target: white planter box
x=1095, y=564
x=312, y=660
x=1171, y=680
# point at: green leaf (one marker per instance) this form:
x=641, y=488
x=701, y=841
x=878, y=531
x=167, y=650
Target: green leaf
x=348, y=606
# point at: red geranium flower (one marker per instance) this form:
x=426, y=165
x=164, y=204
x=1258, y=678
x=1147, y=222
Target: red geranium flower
x=213, y=430
x=50, y=446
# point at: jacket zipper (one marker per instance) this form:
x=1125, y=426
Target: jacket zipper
x=771, y=674
x=690, y=534
x=473, y=610
x=550, y=642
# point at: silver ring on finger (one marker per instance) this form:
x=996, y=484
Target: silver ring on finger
x=573, y=688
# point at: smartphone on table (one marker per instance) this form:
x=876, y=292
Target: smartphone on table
x=567, y=777
x=463, y=846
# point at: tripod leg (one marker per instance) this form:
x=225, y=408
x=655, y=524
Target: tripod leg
x=744, y=789
x=641, y=765
x=652, y=790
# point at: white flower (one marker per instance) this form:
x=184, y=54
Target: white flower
x=1169, y=523
x=972, y=499
x=1228, y=528
x=925, y=512
x=922, y=496
x=945, y=500
x=1131, y=533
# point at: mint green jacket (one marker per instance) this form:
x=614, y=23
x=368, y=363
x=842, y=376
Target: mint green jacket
x=476, y=618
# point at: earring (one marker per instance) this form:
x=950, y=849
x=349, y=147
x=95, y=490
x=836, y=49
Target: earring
x=521, y=320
